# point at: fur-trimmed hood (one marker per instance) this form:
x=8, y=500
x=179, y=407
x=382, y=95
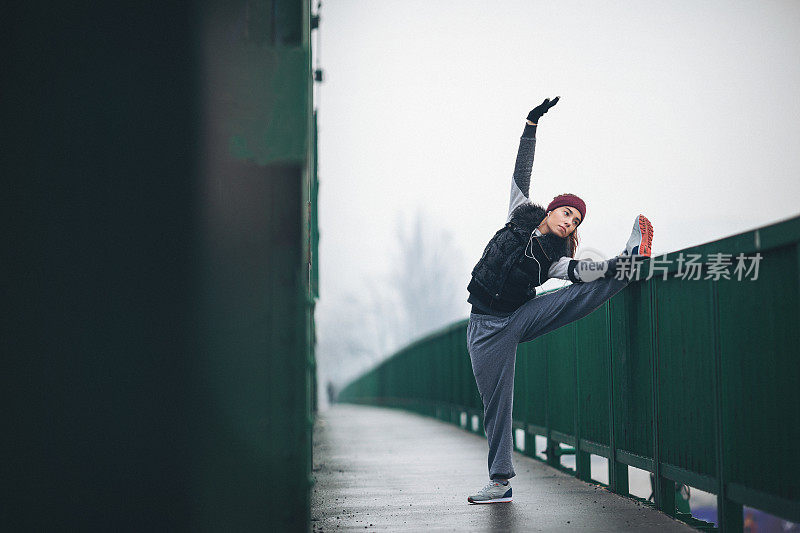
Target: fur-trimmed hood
x=528, y=216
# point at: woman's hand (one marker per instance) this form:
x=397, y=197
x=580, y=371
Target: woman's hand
x=537, y=112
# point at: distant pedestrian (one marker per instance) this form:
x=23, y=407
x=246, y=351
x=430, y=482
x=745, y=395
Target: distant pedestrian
x=536, y=244
x=331, y=393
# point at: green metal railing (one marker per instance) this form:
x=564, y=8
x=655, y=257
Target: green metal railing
x=695, y=381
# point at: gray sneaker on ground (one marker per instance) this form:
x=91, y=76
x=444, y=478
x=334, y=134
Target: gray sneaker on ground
x=493, y=492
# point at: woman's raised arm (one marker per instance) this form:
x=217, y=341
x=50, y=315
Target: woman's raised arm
x=520, y=184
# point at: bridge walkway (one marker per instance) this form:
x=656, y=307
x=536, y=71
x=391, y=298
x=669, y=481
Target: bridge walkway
x=381, y=469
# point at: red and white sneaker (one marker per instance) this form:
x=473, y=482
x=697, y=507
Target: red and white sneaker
x=641, y=239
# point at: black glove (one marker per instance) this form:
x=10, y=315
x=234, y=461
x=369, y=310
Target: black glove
x=629, y=270
x=537, y=112
x=613, y=267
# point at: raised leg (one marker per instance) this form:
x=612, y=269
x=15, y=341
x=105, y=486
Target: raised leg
x=550, y=311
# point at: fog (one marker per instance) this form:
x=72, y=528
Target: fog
x=687, y=112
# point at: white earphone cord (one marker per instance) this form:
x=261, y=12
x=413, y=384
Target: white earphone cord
x=530, y=245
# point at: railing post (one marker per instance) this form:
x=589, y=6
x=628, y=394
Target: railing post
x=663, y=489
x=583, y=460
x=729, y=513
x=553, y=458
x=617, y=472
x=552, y=451
x=583, y=464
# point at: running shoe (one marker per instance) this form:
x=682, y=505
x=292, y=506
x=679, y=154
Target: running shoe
x=493, y=492
x=641, y=238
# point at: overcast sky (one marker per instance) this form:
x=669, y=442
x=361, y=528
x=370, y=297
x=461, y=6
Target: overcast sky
x=688, y=112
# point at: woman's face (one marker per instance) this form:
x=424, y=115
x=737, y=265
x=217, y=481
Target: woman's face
x=562, y=220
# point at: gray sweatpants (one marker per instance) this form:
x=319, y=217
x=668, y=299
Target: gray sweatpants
x=492, y=343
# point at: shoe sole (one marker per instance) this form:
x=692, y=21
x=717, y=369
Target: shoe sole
x=646, y=228
x=496, y=500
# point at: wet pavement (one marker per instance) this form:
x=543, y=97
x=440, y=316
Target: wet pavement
x=389, y=470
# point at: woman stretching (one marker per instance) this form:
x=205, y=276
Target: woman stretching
x=536, y=244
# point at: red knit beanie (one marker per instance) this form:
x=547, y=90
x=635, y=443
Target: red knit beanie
x=570, y=200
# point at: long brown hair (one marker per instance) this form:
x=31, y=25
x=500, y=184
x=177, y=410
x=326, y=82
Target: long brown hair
x=572, y=243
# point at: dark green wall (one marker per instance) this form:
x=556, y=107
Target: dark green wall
x=157, y=326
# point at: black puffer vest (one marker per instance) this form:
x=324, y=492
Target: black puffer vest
x=515, y=262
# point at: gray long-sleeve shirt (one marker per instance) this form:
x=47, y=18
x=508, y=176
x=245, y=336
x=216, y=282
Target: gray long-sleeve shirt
x=520, y=190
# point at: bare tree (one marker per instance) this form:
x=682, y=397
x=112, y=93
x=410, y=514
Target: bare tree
x=430, y=289
x=357, y=331
x=425, y=291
